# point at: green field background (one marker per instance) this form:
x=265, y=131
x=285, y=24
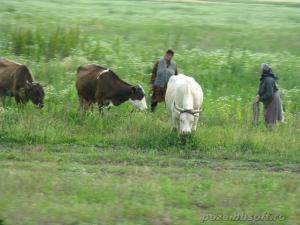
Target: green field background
x=126, y=166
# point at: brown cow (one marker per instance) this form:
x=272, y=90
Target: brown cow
x=16, y=81
x=96, y=84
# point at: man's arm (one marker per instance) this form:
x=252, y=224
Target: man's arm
x=154, y=71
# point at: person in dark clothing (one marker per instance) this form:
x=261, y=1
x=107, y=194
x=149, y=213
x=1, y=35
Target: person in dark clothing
x=162, y=71
x=268, y=94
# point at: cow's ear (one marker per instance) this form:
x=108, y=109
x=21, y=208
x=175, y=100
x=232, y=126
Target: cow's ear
x=133, y=89
x=28, y=84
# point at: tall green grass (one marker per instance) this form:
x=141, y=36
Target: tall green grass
x=128, y=167
x=40, y=43
x=222, y=54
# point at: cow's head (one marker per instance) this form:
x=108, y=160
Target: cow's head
x=35, y=92
x=137, y=97
x=186, y=119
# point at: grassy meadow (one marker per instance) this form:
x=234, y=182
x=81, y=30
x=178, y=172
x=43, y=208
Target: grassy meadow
x=126, y=166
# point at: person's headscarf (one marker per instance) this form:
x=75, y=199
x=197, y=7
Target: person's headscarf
x=266, y=69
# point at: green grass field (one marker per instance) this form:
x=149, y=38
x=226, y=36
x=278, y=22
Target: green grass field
x=127, y=167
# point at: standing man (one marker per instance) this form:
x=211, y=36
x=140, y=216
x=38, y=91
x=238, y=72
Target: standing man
x=161, y=73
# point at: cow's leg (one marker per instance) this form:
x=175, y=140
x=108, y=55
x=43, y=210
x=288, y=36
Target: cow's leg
x=91, y=106
x=100, y=97
x=101, y=107
x=153, y=101
x=174, y=122
x=19, y=101
x=104, y=107
x=84, y=105
x=3, y=101
x=194, y=128
x=87, y=105
x=81, y=105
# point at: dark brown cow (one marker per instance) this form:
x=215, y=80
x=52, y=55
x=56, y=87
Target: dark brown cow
x=96, y=84
x=16, y=81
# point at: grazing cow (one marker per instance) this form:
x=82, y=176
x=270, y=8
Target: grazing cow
x=16, y=81
x=96, y=84
x=184, y=98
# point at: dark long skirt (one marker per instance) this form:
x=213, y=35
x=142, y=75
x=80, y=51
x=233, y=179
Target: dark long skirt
x=273, y=110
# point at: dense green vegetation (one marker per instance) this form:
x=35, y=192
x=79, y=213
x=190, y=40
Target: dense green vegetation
x=127, y=167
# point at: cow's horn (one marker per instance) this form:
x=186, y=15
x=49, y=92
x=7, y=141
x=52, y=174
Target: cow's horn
x=196, y=111
x=178, y=108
